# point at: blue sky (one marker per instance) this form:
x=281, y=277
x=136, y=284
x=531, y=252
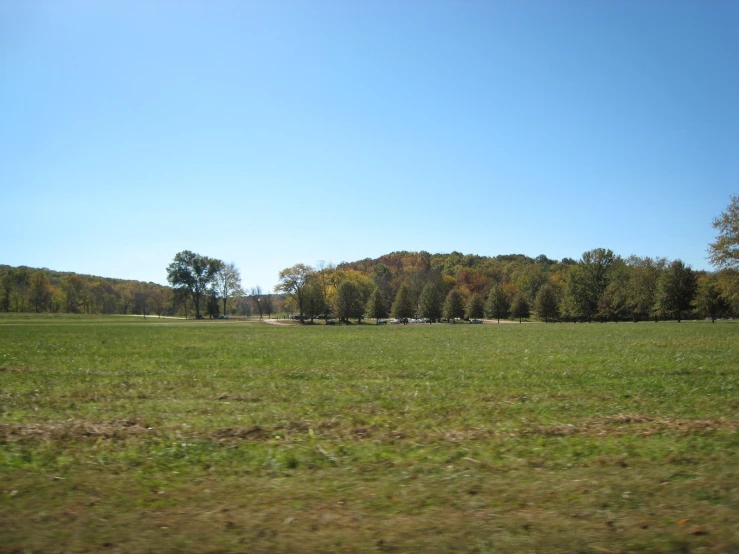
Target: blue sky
x=272, y=133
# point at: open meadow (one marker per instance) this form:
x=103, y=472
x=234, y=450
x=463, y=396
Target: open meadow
x=129, y=435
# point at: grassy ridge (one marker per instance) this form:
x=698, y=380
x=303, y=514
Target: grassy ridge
x=221, y=436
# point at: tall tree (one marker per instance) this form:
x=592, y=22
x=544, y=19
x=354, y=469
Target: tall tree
x=193, y=273
x=497, y=306
x=708, y=300
x=160, y=298
x=520, y=308
x=227, y=283
x=349, y=301
x=547, y=304
x=453, y=306
x=431, y=300
x=475, y=306
x=268, y=304
x=587, y=281
x=73, y=288
x=40, y=291
x=293, y=281
x=642, y=290
x=377, y=305
x=256, y=298
x=675, y=290
x=724, y=253
x=404, y=305
x=314, y=299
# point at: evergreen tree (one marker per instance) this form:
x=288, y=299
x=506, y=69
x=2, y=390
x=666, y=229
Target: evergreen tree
x=404, y=306
x=475, y=307
x=547, y=304
x=430, y=302
x=520, y=308
x=453, y=306
x=376, y=306
x=497, y=305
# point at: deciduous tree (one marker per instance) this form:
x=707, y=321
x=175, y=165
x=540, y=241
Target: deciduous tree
x=675, y=290
x=314, y=299
x=708, y=300
x=227, y=283
x=349, y=301
x=40, y=291
x=293, y=281
x=724, y=252
x=193, y=273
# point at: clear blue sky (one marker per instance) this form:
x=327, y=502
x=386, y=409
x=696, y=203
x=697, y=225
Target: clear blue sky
x=269, y=133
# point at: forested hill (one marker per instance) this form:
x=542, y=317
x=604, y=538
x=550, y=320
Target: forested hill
x=599, y=286
x=29, y=289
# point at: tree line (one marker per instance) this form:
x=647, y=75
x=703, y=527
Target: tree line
x=26, y=289
x=600, y=286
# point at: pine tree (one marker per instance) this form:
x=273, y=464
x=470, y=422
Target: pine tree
x=547, y=304
x=376, y=306
x=403, y=305
x=475, y=307
x=520, y=308
x=430, y=302
x=453, y=306
x=497, y=305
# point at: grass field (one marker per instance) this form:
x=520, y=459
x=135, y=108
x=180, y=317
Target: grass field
x=124, y=435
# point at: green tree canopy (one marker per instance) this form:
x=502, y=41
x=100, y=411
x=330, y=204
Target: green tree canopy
x=547, y=304
x=431, y=300
x=520, y=308
x=724, y=252
x=675, y=290
x=293, y=281
x=194, y=273
x=227, y=283
x=453, y=306
x=475, y=307
x=497, y=305
x=349, y=301
x=403, y=306
x=376, y=305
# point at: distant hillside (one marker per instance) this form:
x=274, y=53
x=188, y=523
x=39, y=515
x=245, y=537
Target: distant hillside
x=600, y=286
x=41, y=290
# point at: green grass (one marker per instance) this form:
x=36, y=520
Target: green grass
x=124, y=435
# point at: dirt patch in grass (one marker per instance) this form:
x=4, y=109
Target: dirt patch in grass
x=72, y=429
x=16, y=369
x=626, y=424
x=332, y=430
x=255, y=432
